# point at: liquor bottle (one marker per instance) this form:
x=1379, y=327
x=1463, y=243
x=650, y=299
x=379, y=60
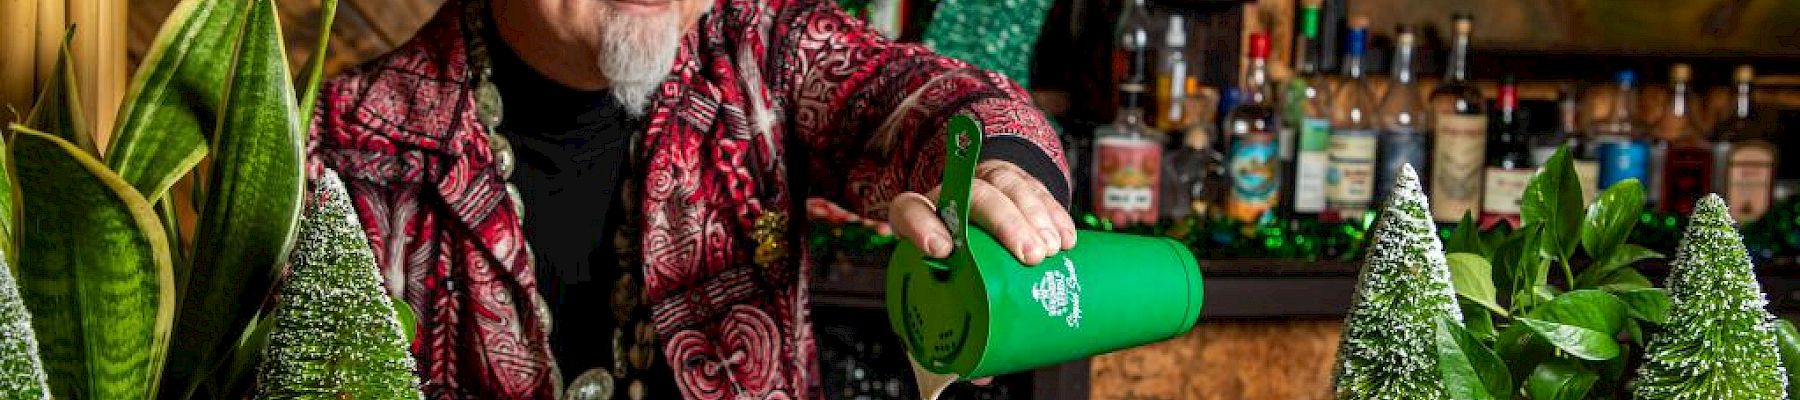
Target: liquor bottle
x=1402, y=121
x=1127, y=164
x=1193, y=173
x=1687, y=164
x=1568, y=133
x=1172, y=76
x=1308, y=114
x=1255, y=165
x=1460, y=127
x=1509, y=165
x=1131, y=57
x=1622, y=151
x=1749, y=155
x=1351, y=180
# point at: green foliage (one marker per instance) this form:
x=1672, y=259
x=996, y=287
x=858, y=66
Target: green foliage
x=1561, y=341
x=1787, y=338
x=1391, y=335
x=21, y=371
x=100, y=264
x=1720, y=340
x=94, y=271
x=336, y=331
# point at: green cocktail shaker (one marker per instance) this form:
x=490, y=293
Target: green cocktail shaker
x=980, y=312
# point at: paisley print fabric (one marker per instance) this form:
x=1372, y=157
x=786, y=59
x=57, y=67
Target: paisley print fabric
x=768, y=102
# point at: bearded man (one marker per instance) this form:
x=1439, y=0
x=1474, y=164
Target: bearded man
x=604, y=198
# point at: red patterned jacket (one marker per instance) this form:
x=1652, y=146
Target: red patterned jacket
x=769, y=101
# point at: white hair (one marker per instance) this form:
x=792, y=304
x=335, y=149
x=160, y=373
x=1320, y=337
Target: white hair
x=636, y=54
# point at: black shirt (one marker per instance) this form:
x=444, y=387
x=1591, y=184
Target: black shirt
x=571, y=150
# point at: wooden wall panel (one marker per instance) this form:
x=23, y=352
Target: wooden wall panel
x=363, y=29
x=1229, y=360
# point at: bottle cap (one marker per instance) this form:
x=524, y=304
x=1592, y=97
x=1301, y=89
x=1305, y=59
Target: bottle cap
x=1626, y=77
x=1359, y=22
x=1176, y=35
x=1259, y=45
x=1680, y=73
x=1744, y=74
x=1357, y=41
x=1462, y=22
x=1311, y=3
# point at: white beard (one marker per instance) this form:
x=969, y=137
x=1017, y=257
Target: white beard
x=636, y=54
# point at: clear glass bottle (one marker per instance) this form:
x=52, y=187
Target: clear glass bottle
x=1172, y=75
x=1749, y=154
x=1308, y=113
x=1254, y=161
x=1509, y=165
x=1127, y=164
x=1459, y=119
x=1620, y=145
x=1687, y=163
x=1402, y=121
x=1351, y=180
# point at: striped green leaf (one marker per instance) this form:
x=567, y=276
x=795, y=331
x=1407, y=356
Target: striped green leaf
x=58, y=108
x=174, y=98
x=252, y=205
x=94, y=270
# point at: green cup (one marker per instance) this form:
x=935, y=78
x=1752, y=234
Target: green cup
x=980, y=312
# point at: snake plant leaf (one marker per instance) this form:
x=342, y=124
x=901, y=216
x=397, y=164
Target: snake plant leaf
x=247, y=221
x=58, y=108
x=174, y=97
x=315, y=68
x=95, y=270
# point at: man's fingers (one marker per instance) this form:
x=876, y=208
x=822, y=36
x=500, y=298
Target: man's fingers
x=1001, y=217
x=1029, y=196
x=915, y=220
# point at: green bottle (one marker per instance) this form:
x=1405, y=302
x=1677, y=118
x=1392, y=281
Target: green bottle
x=980, y=312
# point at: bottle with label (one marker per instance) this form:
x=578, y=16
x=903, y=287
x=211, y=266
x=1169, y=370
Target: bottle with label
x=1172, y=76
x=1402, y=120
x=1459, y=117
x=1308, y=114
x=1127, y=164
x=1748, y=155
x=1509, y=165
x=1350, y=183
x=1687, y=166
x=1254, y=162
x=1619, y=143
x=1193, y=173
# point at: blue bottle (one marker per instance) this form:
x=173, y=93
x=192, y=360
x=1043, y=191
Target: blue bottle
x=1622, y=148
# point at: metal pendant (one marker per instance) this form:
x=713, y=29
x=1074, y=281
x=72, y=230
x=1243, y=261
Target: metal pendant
x=770, y=231
x=594, y=384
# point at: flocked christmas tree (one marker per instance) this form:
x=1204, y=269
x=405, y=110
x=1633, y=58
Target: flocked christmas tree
x=1388, y=350
x=21, y=371
x=336, y=333
x=1720, y=340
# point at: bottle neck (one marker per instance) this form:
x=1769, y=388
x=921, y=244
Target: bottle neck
x=1621, y=107
x=1570, y=123
x=1678, y=100
x=1403, y=72
x=1353, y=66
x=1459, y=59
x=1742, y=109
x=1305, y=45
x=1256, y=86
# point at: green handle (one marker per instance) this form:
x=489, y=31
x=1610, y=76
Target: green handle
x=962, y=154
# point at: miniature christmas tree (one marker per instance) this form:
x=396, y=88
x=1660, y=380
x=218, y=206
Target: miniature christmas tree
x=1388, y=351
x=21, y=371
x=1720, y=341
x=336, y=333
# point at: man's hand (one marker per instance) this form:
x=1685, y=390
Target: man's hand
x=1006, y=201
